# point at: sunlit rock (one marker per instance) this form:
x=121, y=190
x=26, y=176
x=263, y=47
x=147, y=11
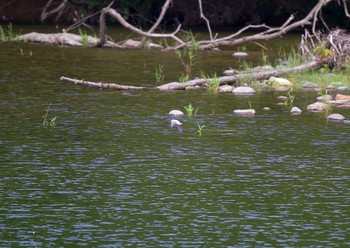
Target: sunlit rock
x=280, y=84
x=340, y=97
x=176, y=113
x=317, y=106
x=335, y=117
x=225, y=88
x=266, y=109
x=243, y=90
x=244, y=112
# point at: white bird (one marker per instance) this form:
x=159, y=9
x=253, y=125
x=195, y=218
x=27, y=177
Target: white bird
x=175, y=123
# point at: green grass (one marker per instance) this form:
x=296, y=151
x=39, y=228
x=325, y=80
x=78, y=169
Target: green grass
x=199, y=129
x=7, y=34
x=46, y=121
x=190, y=110
x=159, y=73
x=84, y=37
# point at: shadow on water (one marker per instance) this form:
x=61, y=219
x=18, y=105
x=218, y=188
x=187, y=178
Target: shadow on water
x=112, y=172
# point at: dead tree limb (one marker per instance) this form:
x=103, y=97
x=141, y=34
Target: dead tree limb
x=101, y=85
x=59, y=9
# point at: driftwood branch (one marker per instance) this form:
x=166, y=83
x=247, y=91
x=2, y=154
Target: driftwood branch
x=101, y=85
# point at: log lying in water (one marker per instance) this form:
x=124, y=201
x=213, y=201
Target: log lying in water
x=68, y=39
x=102, y=85
x=312, y=65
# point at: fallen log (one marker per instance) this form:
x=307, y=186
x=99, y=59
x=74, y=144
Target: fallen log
x=199, y=82
x=102, y=85
x=249, y=76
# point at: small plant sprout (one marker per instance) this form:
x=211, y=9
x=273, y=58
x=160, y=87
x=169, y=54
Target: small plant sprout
x=159, y=73
x=46, y=121
x=84, y=37
x=324, y=93
x=199, y=129
x=190, y=110
x=213, y=83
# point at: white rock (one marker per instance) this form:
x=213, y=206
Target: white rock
x=176, y=112
x=244, y=112
x=240, y=54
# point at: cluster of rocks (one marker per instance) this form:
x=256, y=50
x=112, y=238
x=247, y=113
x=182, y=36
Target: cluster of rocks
x=274, y=83
x=323, y=103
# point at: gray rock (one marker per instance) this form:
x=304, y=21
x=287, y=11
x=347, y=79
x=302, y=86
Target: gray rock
x=240, y=54
x=335, y=117
x=243, y=90
x=309, y=85
x=317, y=106
x=336, y=84
x=343, y=88
x=266, y=109
x=324, y=98
x=176, y=113
x=295, y=110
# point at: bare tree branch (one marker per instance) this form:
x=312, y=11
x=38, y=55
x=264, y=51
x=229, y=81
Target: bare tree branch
x=205, y=19
x=161, y=16
x=138, y=31
x=59, y=9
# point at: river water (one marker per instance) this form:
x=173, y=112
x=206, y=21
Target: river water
x=111, y=172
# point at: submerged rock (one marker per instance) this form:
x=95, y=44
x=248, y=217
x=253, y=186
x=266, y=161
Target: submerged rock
x=243, y=90
x=296, y=111
x=244, y=112
x=335, y=117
